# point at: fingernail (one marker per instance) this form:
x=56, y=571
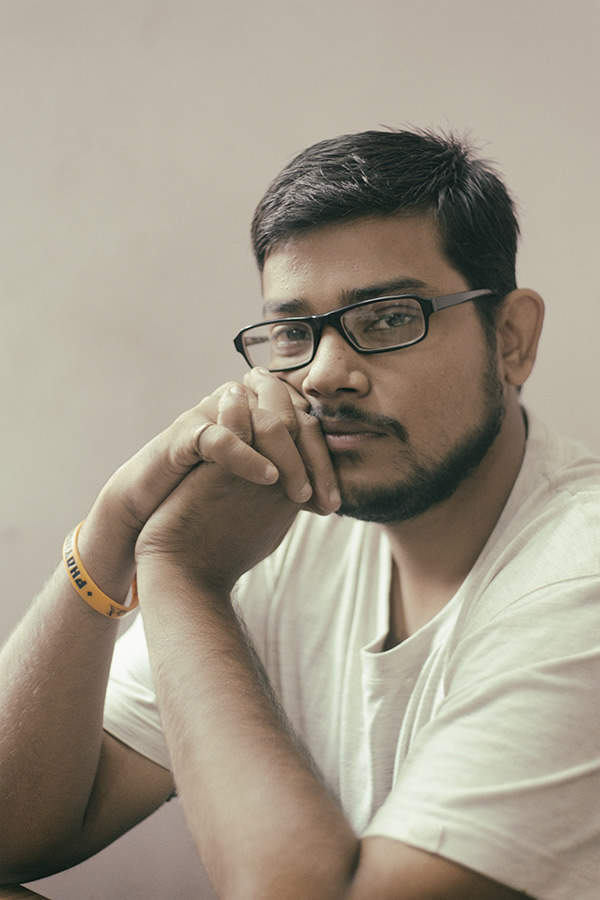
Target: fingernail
x=238, y=390
x=305, y=492
x=270, y=474
x=261, y=370
x=335, y=498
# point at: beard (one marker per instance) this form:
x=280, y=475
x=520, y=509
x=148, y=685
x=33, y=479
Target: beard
x=428, y=483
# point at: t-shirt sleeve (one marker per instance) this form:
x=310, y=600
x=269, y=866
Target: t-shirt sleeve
x=505, y=777
x=130, y=710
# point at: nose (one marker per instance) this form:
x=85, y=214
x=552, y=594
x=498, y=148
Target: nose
x=336, y=368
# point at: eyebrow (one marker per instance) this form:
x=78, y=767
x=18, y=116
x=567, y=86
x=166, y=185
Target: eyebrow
x=299, y=306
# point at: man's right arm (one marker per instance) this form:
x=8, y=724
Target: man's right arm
x=66, y=787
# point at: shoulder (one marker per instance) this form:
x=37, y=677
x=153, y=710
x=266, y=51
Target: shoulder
x=557, y=471
x=534, y=592
x=549, y=531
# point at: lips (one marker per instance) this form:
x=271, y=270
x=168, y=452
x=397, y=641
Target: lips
x=353, y=423
x=347, y=435
x=347, y=427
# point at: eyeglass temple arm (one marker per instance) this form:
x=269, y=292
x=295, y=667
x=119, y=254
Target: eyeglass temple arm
x=461, y=297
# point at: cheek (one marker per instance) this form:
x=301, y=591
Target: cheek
x=439, y=395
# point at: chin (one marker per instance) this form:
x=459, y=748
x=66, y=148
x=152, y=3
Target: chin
x=395, y=500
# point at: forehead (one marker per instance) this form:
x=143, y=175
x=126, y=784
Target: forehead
x=325, y=266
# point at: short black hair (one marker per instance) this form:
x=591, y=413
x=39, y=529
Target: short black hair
x=399, y=173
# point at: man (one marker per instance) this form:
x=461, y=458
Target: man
x=408, y=707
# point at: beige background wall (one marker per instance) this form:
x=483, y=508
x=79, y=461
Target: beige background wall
x=136, y=138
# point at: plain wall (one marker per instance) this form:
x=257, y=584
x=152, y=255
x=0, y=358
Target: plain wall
x=137, y=138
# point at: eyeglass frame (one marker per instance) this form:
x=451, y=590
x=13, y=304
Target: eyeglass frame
x=333, y=319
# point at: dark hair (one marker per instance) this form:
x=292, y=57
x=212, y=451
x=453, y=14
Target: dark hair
x=394, y=173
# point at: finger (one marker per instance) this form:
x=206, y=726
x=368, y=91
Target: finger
x=299, y=400
x=273, y=444
x=188, y=441
x=228, y=442
x=216, y=443
x=274, y=396
x=142, y=483
x=317, y=462
x=223, y=388
x=234, y=412
x=308, y=438
x=273, y=441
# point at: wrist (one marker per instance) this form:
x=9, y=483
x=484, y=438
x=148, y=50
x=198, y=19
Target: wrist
x=173, y=577
x=106, y=544
x=85, y=585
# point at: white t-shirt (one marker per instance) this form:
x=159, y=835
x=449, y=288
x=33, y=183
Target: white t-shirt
x=478, y=738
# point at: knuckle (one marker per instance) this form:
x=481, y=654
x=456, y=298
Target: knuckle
x=290, y=421
x=268, y=425
x=210, y=408
x=228, y=392
x=216, y=440
x=309, y=423
x=264, y=419
x=242, y=437
x=182, y=421
x=233, y=410
x=222, y=389
x=207, y=403
x=222, y=444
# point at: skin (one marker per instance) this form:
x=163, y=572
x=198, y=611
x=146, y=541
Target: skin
x=435, y=390
x=441, y=401
x=267, y=827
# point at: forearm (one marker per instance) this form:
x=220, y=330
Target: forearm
x=53, y=672
x=264, y=821
x=54, y=669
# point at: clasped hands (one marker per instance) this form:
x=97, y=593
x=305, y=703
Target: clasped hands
x=268, y=460
x=261, y=431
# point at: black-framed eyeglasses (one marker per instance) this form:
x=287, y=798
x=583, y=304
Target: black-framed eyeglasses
x=372, y=326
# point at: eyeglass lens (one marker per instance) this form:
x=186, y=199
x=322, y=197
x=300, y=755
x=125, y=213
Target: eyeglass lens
x=375, y=326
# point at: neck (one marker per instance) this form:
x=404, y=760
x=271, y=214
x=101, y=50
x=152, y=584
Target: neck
x=434, y=552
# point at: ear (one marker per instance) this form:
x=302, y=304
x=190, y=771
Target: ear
x=518, y=329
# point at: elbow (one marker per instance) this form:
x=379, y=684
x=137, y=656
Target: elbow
x=320, y=876
x=24, y=857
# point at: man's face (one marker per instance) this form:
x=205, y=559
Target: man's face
x=404, y=427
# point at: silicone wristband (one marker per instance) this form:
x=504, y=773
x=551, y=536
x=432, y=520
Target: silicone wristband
x=87, y=588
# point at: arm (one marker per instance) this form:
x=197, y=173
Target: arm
x=66, y=789
x=265, y=823
x=55, y=762
x=54, y=671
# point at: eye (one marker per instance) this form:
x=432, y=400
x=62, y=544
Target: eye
x=289, y=333
x=390, y=318
x=289, y=337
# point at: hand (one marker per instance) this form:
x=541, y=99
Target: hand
x=260, y=431
x=211, y=529
x=265, y=421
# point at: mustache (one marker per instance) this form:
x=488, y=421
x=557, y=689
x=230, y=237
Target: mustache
x=348, y=413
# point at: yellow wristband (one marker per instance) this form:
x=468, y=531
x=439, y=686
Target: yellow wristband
x=85, y=586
